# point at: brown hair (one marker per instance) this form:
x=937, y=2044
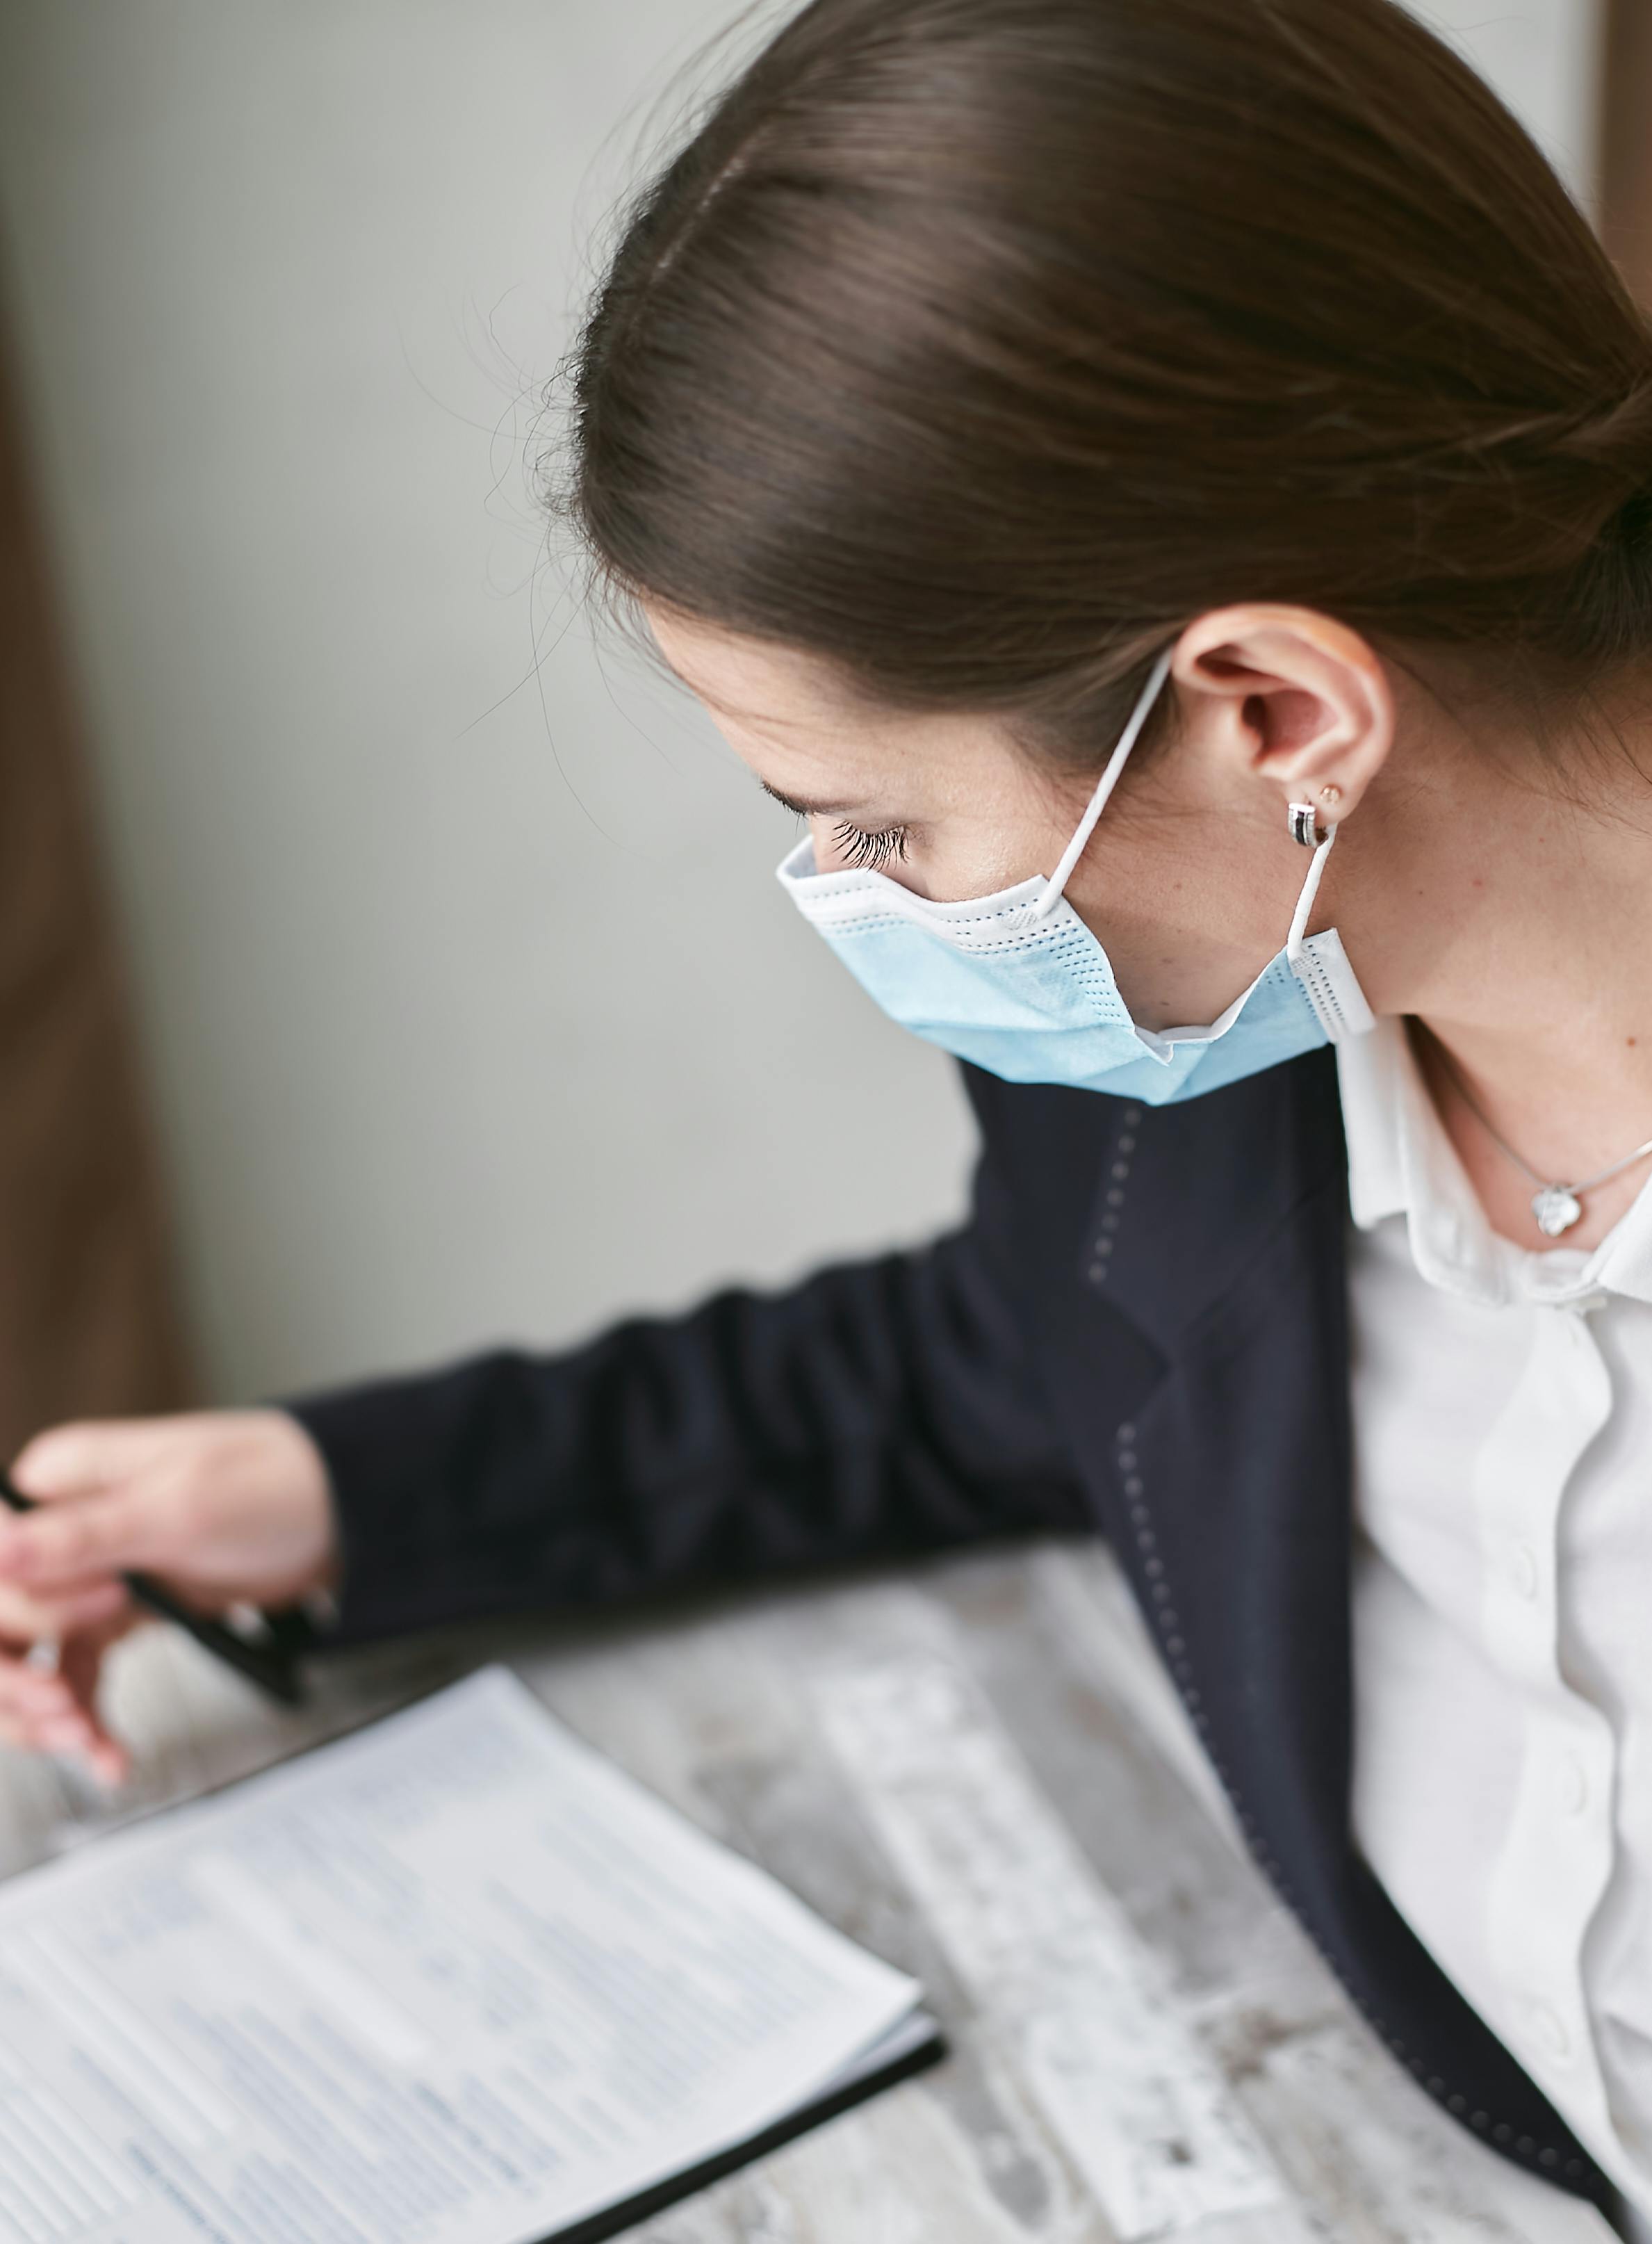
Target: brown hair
x=979, y=345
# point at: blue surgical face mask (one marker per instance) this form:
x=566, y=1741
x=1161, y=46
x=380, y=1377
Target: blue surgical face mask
x=1017, y=983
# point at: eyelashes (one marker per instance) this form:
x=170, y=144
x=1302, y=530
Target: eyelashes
x=866, y=852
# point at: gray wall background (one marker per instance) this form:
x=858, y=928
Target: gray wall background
x=471, y=1005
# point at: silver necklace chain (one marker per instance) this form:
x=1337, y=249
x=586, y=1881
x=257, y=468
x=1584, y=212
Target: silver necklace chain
x=1556, y=1207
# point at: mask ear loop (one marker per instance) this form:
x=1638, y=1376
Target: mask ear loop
x=1052, y=888
x=1295, y=942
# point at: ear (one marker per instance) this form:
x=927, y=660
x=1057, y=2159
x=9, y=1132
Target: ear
x=1303, y=700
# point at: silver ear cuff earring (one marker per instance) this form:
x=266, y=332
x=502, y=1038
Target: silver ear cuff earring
x=1303, y=818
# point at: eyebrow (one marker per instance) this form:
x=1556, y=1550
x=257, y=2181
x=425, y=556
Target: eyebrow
x=801, y=808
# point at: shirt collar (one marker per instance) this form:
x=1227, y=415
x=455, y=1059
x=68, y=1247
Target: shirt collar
x=1402, y=1163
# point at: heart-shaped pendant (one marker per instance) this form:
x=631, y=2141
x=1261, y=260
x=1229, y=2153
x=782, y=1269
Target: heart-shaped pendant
x=1557, y=1207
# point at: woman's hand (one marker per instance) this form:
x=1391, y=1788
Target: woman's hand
x=223, y=1506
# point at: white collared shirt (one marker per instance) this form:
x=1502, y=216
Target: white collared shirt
x=1502, y=1605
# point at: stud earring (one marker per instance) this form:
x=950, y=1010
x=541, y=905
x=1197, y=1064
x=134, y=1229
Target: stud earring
x=1330, y=794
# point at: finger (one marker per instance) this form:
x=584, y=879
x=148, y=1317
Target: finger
x=82, y=1667
x=88, y=1454
x=50, y=1549
x=22, y=1733
x=73, y=1607
x=57, y=1712
x=73, y=1612
x=31, y=1695
x=65, y=1727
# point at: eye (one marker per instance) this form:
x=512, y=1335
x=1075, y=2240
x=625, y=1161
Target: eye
x=866, y=852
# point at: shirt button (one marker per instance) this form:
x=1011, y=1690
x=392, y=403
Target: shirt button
x=1524, y=1570
x=1550, y=2031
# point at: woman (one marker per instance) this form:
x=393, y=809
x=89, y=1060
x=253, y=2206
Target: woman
x=1092, y=456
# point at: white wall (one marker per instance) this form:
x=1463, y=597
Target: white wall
x=1543, y=57
x=472, y=1006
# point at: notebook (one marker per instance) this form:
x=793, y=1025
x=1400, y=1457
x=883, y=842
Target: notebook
x=454, y=1976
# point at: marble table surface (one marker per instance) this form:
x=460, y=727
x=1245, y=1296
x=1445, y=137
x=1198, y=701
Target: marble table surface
x=975, y=1767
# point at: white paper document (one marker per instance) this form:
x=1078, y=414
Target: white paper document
x=454, y=1979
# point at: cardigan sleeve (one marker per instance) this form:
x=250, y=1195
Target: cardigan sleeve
x=881, y=1407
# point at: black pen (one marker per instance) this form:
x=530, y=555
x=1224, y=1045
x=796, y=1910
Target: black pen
x=264, y=1664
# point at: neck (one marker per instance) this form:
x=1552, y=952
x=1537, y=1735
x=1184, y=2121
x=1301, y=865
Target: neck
x=1516, y=927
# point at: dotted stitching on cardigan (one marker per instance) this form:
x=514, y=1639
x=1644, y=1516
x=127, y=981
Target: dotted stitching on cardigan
x=1169, y=1624
x=1119, y=1174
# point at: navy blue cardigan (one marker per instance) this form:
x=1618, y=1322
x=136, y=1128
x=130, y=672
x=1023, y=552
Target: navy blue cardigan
x=1141, y=1332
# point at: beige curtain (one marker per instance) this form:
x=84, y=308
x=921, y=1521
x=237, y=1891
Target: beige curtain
x=87, y=1318
x=1626, y=143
